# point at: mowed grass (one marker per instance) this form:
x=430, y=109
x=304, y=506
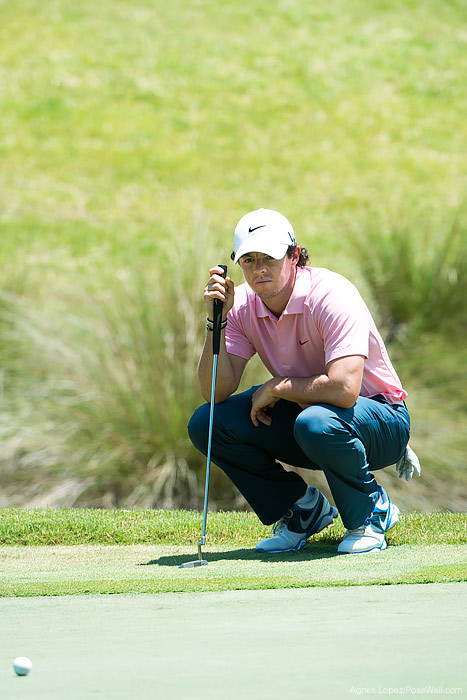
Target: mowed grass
x=70, y=552
x=83, y=526
x=98, y=569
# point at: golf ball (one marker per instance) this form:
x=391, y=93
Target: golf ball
x=22, y=665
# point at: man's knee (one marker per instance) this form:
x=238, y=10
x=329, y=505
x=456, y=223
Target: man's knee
x=316, y=429
x=198, y=427
x=326, y=437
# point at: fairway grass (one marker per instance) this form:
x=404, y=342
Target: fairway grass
x=98, y=569
x=79, y=552
x=73, y=526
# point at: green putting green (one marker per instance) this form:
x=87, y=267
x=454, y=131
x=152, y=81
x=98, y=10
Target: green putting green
x=261, y=645
x=81, y=569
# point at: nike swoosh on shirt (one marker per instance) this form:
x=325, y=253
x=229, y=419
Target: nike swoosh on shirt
x=250, y=230
x=302, y=342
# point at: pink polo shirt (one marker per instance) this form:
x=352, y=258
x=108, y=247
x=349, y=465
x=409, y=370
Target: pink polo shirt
x=325, y=319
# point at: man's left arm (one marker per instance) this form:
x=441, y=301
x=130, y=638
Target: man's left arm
x=339, y=386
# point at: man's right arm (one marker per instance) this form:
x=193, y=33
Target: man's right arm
x=229, y=371
x=230, y=367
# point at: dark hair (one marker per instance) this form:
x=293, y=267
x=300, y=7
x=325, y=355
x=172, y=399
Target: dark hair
x=302, y=260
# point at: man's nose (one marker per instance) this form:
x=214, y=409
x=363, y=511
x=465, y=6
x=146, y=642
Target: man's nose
x=259, y=265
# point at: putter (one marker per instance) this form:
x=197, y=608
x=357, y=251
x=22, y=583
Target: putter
x=216, y=343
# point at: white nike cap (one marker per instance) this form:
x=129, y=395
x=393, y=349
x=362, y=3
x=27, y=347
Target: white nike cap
x=263, y=231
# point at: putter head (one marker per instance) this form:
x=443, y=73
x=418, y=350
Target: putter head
x=191, y=564
x=199, y=562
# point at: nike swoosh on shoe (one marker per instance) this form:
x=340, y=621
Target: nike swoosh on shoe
x=305, y=524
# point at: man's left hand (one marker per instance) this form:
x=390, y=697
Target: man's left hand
x=261, y=400
x=408, y=464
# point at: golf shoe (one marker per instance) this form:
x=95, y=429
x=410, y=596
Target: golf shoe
x=369, y=537
x=309, y=515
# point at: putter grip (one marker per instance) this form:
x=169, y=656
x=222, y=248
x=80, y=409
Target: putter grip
x=216, y=334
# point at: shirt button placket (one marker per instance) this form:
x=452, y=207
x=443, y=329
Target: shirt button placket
x=282, y=342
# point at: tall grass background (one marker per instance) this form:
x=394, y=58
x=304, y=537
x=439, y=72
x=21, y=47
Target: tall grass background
x=133, y=137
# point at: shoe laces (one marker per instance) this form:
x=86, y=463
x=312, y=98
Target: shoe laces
x=282, y=523
x=355, y=533
x=358, y=531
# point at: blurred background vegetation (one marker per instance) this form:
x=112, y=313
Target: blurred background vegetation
x=133, y=136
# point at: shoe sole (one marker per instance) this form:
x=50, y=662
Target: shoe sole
x=393, y=520
x=383, y=546
x=320, y=524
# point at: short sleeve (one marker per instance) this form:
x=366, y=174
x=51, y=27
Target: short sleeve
x=344, y=322
x=236, y=341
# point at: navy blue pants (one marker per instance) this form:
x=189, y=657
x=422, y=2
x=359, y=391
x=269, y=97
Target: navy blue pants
x=347, y=444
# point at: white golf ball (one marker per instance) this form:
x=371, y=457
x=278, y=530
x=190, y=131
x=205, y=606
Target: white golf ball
x=22, y=665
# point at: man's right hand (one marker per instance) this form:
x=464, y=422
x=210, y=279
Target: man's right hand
x=218, y=288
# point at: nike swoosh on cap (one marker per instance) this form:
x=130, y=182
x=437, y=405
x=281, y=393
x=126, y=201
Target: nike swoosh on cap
x=250, y=230
x=302, y=342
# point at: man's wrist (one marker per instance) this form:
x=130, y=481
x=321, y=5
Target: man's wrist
x=277, y=386
x=210, y=324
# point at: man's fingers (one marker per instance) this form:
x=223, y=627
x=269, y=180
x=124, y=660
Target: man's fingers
x=414, y=461
x=218, y=287
x=217, y=281
x=264, y=418
x=260, y=402
x=408, y=464
x=216, y=270
x=215, y=289
x=254, y=416
x=260, y=417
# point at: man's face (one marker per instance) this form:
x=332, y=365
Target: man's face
x=268, y=277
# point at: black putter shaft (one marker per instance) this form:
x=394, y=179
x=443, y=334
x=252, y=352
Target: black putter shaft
x=216, y=344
